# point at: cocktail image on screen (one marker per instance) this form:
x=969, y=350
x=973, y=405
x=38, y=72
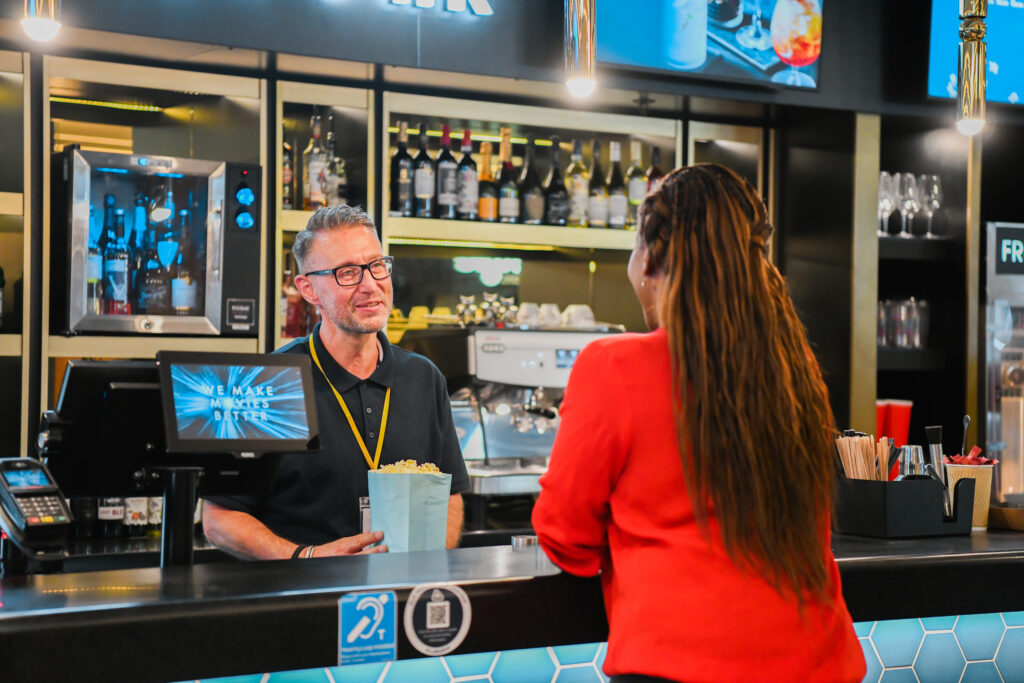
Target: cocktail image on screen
x=239, y=402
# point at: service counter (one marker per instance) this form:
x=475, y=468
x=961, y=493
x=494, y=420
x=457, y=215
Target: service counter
x=234, y=618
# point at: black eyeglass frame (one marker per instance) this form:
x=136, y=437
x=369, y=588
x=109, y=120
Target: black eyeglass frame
x=389, y=262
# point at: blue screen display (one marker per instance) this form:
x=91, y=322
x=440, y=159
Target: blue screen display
x=22, y=479
x=1005, y=71
x=777, y=41
x=239, y=402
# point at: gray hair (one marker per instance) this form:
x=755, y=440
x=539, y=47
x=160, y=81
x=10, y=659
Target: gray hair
x=323, y=220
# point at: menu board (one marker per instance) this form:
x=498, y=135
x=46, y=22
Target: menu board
x=766, y=41
x=1005, y=72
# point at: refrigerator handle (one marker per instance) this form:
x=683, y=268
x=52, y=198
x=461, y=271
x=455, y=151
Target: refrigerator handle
x=218, y=236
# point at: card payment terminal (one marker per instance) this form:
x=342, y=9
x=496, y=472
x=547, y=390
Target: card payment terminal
x=33, y=508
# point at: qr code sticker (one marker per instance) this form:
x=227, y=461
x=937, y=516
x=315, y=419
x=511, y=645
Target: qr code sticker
x=439, y=614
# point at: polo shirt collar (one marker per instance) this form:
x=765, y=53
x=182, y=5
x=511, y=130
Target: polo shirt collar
x=342, y=379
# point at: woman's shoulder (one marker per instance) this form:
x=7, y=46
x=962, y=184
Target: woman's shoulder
x=628, y=344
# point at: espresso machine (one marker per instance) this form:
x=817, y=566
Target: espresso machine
x=506, y=387
x=1004, y=356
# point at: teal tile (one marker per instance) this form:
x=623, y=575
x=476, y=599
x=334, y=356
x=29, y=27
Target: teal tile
x=1013, y=618
x=863, y=628
x=357, y=673
x=939, y=623
x=1010, y=658
x=233, y=679
x=477, y=664
x=524, y=666
x=897, y=641
x=899, y=676
x=981, y=672
x=575, y=654
x=426, y=670
x=600, y=661
x=304, y=676
x=583, y=674
x=940, y=659
x=979, y=635
x=871, y=659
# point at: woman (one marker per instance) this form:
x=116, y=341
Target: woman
x=693, y=465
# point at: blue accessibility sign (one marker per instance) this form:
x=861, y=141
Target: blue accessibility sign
x=367, y=628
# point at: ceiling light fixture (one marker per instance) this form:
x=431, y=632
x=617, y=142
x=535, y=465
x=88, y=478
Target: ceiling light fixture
x=42, y=19
x=970, y=81
x=580, y=55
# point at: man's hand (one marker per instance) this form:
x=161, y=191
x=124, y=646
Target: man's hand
x=352, y=545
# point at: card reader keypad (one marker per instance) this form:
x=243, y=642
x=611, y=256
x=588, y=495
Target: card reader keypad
x=42, y=509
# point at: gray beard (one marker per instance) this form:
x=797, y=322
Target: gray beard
x=352, y=327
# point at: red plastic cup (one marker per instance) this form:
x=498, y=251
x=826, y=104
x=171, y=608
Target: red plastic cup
x=897, y=422
x=881, y=417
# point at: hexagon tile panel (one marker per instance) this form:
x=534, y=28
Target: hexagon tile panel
x=976, y=648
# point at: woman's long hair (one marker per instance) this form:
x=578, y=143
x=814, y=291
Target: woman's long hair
x=753, y=419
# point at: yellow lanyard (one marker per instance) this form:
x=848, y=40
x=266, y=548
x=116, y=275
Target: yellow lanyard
x=352, y=423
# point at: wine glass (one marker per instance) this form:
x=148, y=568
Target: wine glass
x=796, y=37
x=908, y=201
x=930, y=189
x=886, y=201
x=754, y=36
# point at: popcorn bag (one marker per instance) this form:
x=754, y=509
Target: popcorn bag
x=409, y=503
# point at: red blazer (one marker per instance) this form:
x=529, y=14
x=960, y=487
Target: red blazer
x=614, y=501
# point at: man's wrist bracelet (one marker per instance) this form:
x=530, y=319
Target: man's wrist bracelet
x=309, y=553
x=298, y=549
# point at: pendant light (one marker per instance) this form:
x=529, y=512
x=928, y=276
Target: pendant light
x=970, y=81
x=580, y=55
x=42, y=19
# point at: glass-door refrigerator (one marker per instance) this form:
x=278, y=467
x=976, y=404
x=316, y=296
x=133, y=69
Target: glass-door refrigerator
x=154, y=245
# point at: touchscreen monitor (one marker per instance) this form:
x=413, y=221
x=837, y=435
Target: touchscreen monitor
x=240, y=403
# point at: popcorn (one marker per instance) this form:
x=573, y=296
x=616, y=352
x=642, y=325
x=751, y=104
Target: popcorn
x=410, y=467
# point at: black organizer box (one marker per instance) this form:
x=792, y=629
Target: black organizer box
x=901, y=509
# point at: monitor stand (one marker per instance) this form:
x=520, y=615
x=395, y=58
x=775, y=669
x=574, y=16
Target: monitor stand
x=178, y=524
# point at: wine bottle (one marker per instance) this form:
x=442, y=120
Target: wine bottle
x=287, y=178
x=597, y=204
x=183, y=282
x=447, y=178
x=94, y=274
x=531, y=194
x=403, y=199
x=469, y=183
x=556, y=197
x=154, y=296
x=577, y=180
x=116, y=258
x=331, y=178
x=110, y=514
x=423, y=178
x=488, y=205
x=654, y=173
x=618, y=202
x=508, y=187
x=636, y=184
x=314, y=170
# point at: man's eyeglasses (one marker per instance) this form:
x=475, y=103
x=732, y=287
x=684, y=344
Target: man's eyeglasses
x=350, y=276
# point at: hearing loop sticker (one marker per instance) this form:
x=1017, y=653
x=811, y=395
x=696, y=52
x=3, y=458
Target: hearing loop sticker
x=437, y=618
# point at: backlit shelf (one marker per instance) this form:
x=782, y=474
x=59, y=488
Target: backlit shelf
x=143, y=347
x=294, y=221
x=10, y=344
x=449, y=233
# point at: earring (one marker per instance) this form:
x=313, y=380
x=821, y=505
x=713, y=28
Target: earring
x=643, y=282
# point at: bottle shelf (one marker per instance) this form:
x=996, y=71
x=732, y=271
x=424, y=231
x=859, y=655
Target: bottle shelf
x=294, y=220
x=440, y=232
x=12, y=204
x=10, y=345
x=917, y=249
x=909, y=360
x=143, y=347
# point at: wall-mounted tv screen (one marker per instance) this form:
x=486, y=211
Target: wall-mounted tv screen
x=765, y=41
x=1005, y=82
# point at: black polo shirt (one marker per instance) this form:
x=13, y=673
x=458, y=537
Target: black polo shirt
x=314, y=498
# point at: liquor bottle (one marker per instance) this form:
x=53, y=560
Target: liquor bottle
x=168, y=240
x=447, y=178
x=294, y=318
x=340, y=181
x=577, y=180
x=84, y=510
x=154, y=286
x=94, y=281
x=139, y=221
x=508, y=188
x=618, y=202
x=597, y=202
x=110, y=514
x=531, y=194
x=403, y=199
x=488, y=191
x=115, y=269
x=468, y=182
x=636, y=184
x=314, y=169
x=556, y=197
x=423, y=178
x=336, y=179
x=109, y=218
x=287, y=178
x=156, y=515
x=183, y=281
x=654, y=173
x=136, y=515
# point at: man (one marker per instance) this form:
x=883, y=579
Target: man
x=313, y=507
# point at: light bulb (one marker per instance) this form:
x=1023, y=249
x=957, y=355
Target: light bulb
x=970, y=127
x=581, y=87
x=159, y=214
x=40, y=29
